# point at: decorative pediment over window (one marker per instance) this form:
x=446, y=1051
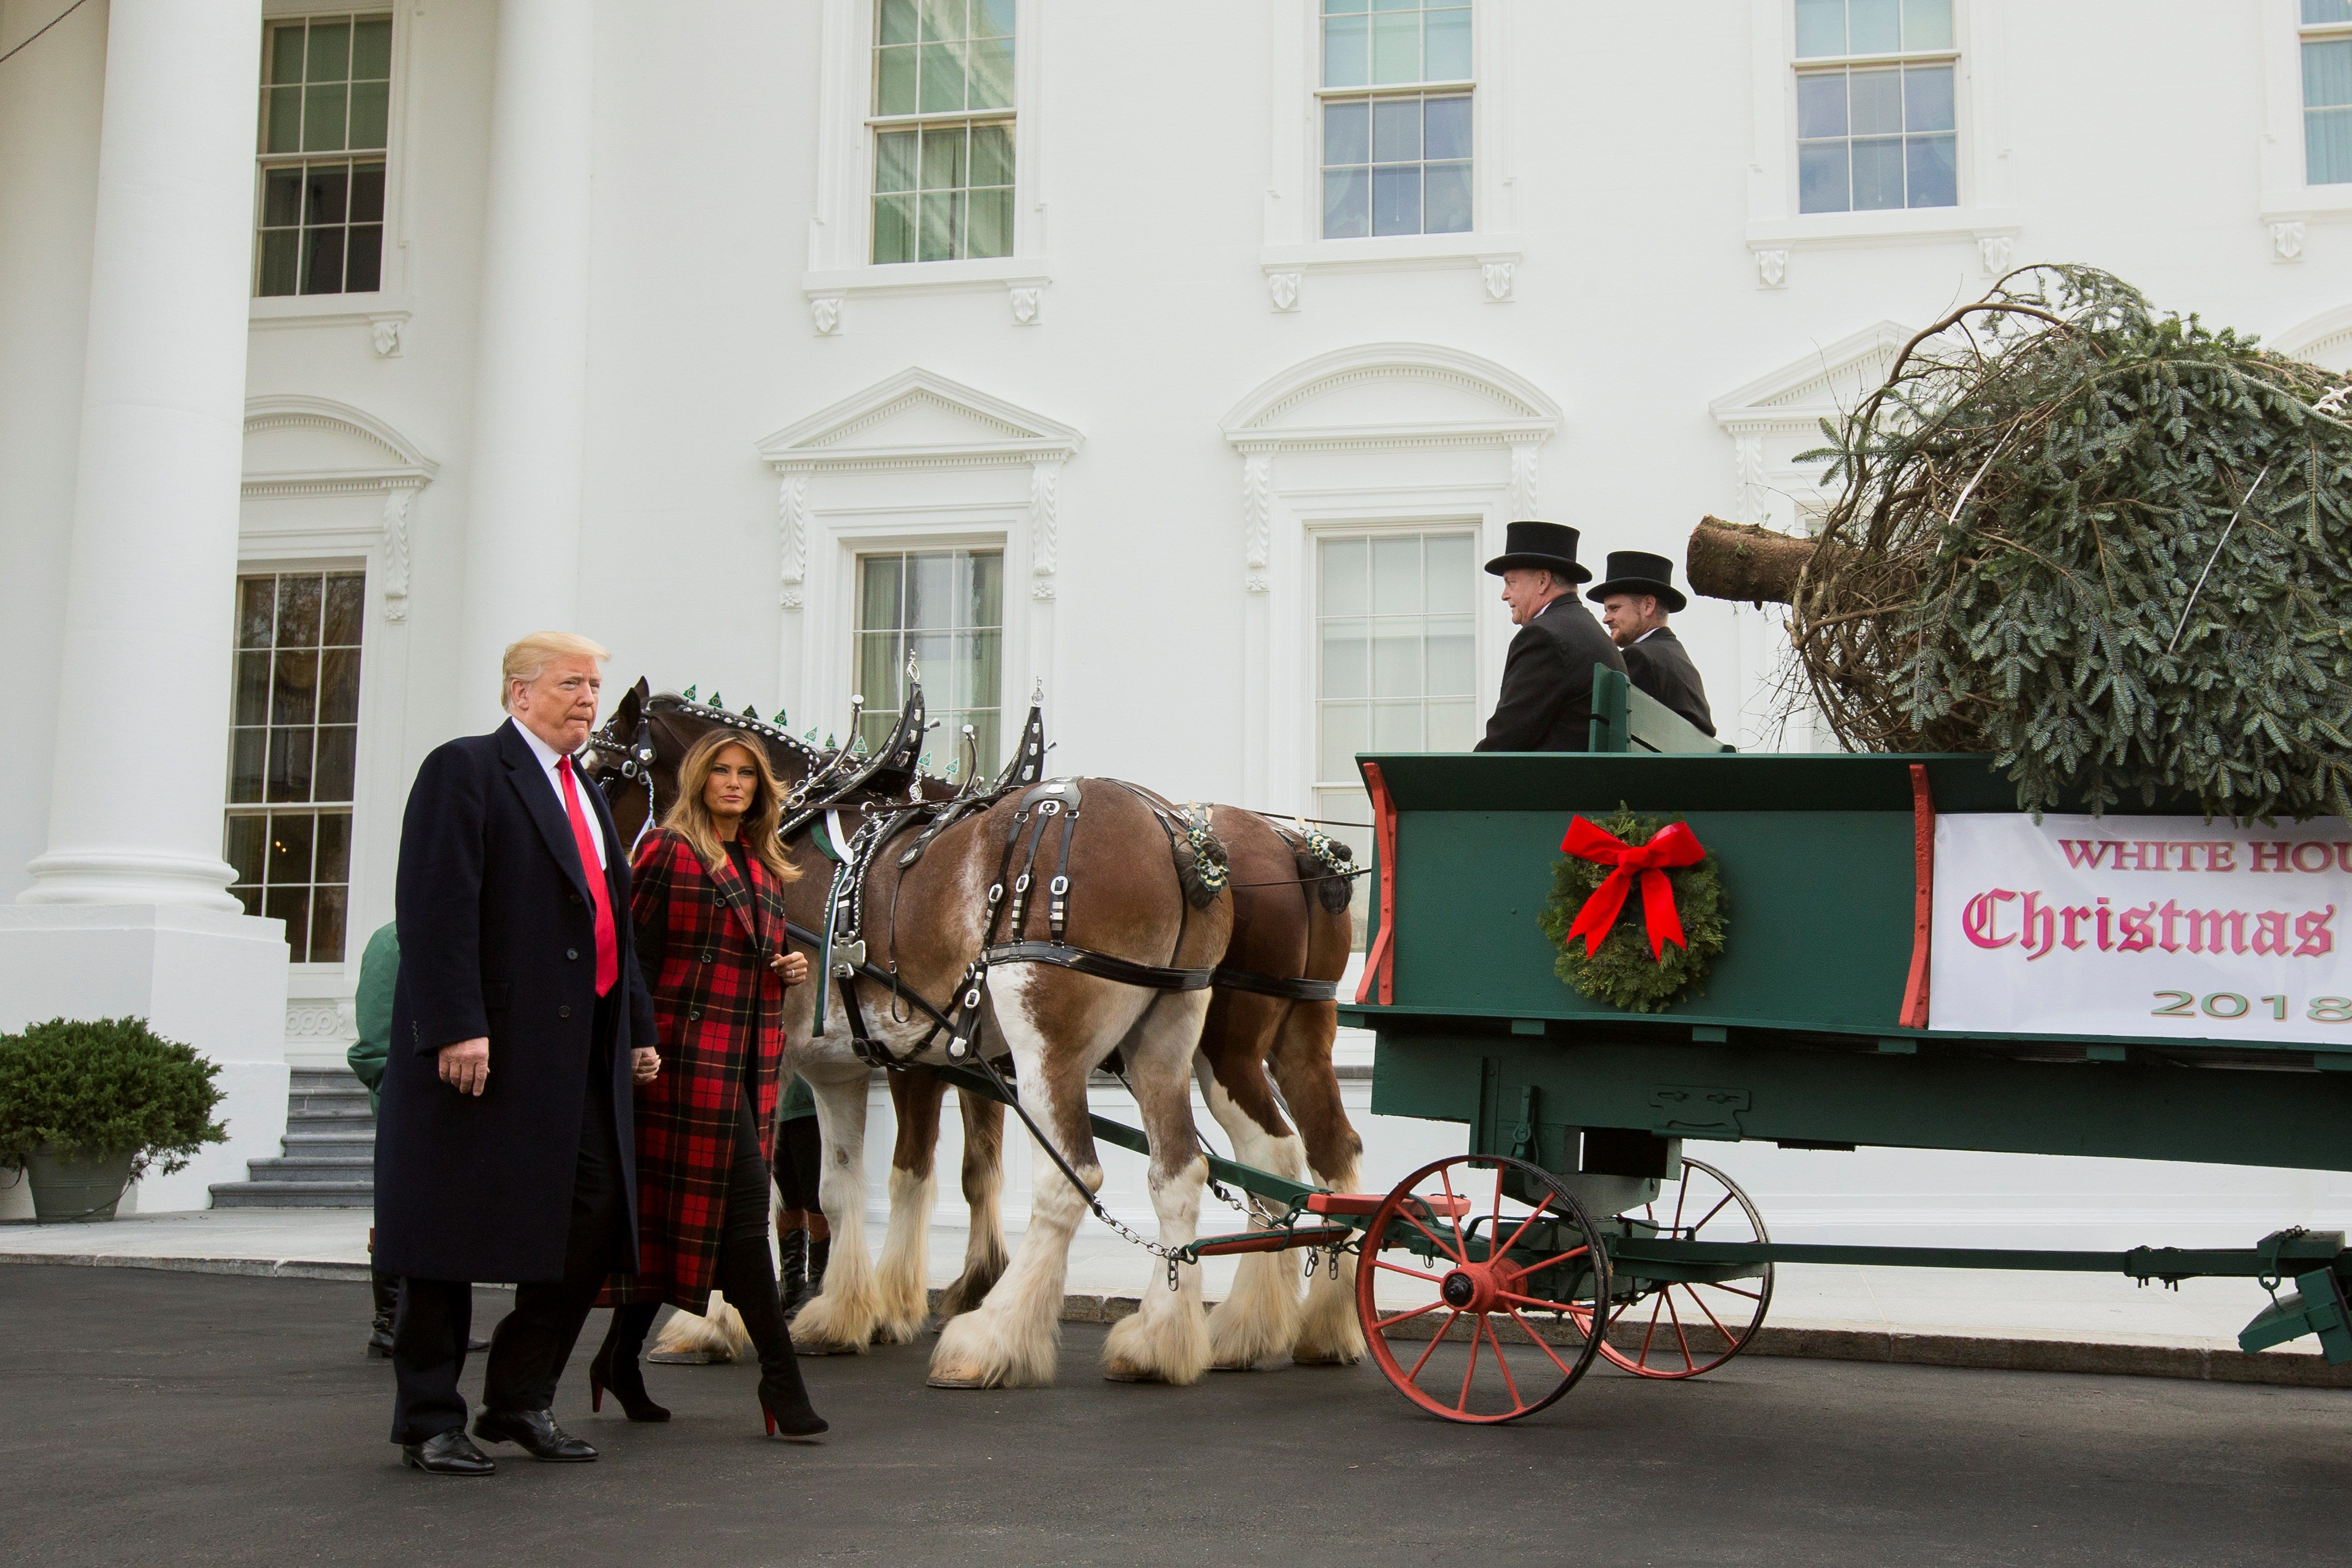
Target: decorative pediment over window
x=1779, y=415
x=2326, y=340
x=298, y=446
x=917, y=420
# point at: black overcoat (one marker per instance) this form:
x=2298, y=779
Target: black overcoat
x=1660, y=665
x=498, y=938
x=1546, y=704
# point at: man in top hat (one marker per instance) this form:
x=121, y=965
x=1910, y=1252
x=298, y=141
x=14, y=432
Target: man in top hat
x=1547, y=698
x=1634, y=603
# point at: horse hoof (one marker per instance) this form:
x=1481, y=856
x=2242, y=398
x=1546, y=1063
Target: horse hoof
x=956, y=1383
x=1233, y=1366
x=1322, y=1360
x=1130, y=1374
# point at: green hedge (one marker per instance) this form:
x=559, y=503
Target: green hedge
x=104, y=1086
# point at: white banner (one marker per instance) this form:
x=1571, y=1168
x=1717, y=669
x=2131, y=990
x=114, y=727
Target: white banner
x=2185, y=927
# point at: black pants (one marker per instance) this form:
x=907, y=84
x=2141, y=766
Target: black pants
x=531, y=1344
x=799, y=1162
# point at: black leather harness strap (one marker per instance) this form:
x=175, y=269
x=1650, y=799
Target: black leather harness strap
x=1270, y=985
x=1102, y=965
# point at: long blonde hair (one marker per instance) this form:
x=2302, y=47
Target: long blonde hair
x=689, y=818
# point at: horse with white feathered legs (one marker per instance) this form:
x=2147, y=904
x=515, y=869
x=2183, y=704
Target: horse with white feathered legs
x=1271, y=1008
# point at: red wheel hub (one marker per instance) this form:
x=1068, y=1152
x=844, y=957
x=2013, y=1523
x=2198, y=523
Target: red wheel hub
x=1481, y=1287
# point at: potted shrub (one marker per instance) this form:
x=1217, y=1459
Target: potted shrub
x=87, y=1107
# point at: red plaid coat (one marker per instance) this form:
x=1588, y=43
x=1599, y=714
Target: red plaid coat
x=721, y=1010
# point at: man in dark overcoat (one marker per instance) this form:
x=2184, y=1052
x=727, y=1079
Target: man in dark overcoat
x=1546, y=704
x=1634, y=603
x=504, y=1150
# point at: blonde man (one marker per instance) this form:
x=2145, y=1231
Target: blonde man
x=503, y=1152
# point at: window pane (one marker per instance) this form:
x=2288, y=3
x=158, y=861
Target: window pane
x=1820, y=28
x=1876, y=98
x=367, y=193
x=943, y=214
x=1820, y=104
x=1347, y=657
x=1451, y=661
x=339, y=686
x=991, y=154
x=942, y=20
x=331, y=778
x=281, y=255
x=1822, y=185
x=322, y=262
x=982, y=679
x=942, y=82
x=1450, y=725
x=252, y=687
x=1345, y=8
x=1347, y=204
x=290, y=848
x=1396, y=575
x=292, y=905
x=371, y=113
x=1396, y=129
x=1396, y=659
x=1346, y=58
x=1396, y=200
x=1927, y=24
x=894, y=80
x=986, y=606
x=991, y=18
x=294, y=694
x=372, y=50
x=286, y=53
x=326, y=192
x=1933, y=179
x=346, y=602
x=298, y=610
x=894, y=160
x=1446, y=199
x=1874, y=26
x=290, y=764
x=363, y=259
x=943, y=154
x=335, y=853
x=991, y=221
x=991, y=74
x=1396, y=47
x=327, y=925
x=1346, y=133
x=2328, y=146
x=1396, y=727
x=894, y=228
x=242, y=848
x=897, y=24
x=248, y=763
x=878, y=608
x=284, y=131
x=1927, y=97
x=1347, y=730
x=256, y=611
x=1877, y=174
x=1449, y=44
x=1445, y=127
x=1344, y=582
x=2320, y=11
x=2327, y=74
x=930, y=591
x=330, y=51
x=323, y=118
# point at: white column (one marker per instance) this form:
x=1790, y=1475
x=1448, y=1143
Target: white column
x=129, y=912
x=150, y=589
x=522, y=537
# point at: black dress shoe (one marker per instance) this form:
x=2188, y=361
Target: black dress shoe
x=449, y=1453
x=535, y=1432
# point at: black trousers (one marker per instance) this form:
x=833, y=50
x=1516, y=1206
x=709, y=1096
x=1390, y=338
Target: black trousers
x=799, y=1162
x=531, y=1344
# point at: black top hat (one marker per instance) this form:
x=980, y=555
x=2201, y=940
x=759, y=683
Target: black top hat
x=1549, y=545
x=1638, y=572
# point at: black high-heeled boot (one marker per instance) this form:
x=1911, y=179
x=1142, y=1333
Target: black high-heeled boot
x=617, y=1368
x=386, y=1291
x=744, y=1275
x=791, y=1271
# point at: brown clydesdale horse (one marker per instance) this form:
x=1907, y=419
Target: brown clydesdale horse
x=1288, y=918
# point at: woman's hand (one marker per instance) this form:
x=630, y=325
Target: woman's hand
x=645, y=1064
x=792, y=968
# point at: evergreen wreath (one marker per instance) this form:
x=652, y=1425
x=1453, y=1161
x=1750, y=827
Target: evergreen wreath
x=1621, y=971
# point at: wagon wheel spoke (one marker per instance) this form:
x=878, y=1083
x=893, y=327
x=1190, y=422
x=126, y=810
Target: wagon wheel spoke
x=1400, y=1268
x=1477, y=1328
x=1454, y=1209
x=1709, y=1214
x=1541, y=1305
x=1681, y=1338
x=1407, y=1317
x=1531, y=1216
x=1435, y=1340
x=1558, y=1257
x=1541, y=1343
x=1700, y=1302
x=1503, y=1365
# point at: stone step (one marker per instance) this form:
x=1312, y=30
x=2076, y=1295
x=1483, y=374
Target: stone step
x=338, y=1116
x=355, y=1144
x=353, y=1101
x=315, y=1168
x=293, y=1196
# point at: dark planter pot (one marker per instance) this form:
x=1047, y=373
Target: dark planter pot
x=84, y=1187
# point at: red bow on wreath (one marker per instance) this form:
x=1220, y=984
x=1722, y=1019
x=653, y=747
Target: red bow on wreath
x=1672, y=845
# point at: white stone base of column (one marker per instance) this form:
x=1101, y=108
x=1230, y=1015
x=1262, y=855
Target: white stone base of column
x=131, y=877
x=216, y=981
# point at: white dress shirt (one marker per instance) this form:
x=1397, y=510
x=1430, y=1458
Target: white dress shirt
x=548, y=758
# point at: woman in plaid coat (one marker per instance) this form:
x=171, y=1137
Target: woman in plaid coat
x=707, y=901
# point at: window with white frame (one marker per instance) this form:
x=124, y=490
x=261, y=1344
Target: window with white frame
x=293, y=751
x=2328, y=91
x=1396, y=654
x=942, y=124
x=947, y=608
x=1395, y=104
x=1876, y=107
x=325, y=125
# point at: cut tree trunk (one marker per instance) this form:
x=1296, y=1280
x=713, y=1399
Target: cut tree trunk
x=1741, y=561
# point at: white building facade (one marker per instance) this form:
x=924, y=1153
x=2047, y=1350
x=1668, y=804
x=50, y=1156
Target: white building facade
x=340, y=345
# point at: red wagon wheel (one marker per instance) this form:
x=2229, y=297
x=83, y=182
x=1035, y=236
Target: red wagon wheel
x=1676, y=1329
x=1489, y=1270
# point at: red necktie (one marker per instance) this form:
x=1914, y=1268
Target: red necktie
x=608, y=946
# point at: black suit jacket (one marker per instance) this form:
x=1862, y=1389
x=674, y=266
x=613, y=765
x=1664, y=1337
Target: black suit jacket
x=498, y=938
x=1546, y=704
x=1661, y=666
